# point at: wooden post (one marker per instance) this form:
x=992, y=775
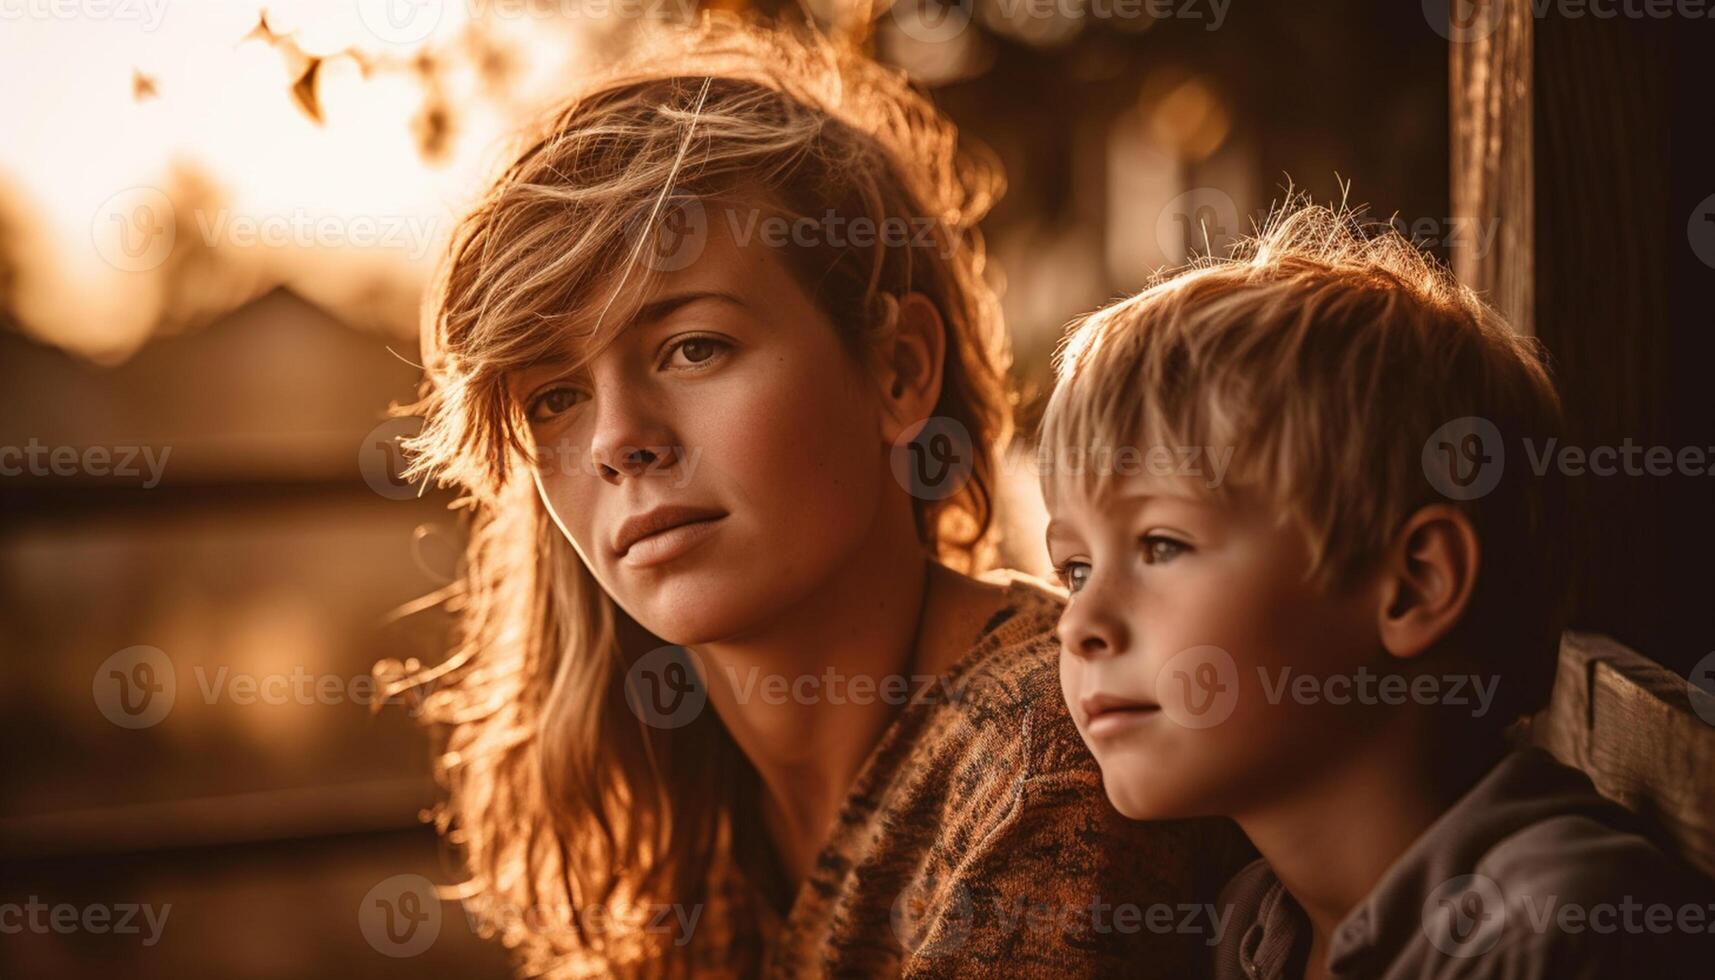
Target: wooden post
x=1586, y=141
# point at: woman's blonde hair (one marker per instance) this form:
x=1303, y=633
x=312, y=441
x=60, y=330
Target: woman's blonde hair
x=559, y=797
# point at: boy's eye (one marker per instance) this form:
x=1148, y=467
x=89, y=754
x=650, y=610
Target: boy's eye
x=552, y=402
x=1158, y=549
x=1073, y=575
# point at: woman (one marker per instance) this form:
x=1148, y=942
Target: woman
x=727, y=698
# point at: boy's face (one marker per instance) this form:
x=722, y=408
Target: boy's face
x=1184, y=612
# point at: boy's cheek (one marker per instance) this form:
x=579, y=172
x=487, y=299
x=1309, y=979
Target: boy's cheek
x=1176, y=778
x=1199, y=765
x=1071, y=683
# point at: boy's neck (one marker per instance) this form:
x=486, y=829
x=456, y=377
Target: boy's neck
x=1334, y=838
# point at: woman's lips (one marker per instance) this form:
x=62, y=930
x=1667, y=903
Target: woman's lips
x=664, y=546
x=663, y=518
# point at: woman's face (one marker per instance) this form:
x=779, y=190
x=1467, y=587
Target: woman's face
x=730, y=410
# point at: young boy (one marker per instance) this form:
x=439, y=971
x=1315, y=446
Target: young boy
x=1311, y=583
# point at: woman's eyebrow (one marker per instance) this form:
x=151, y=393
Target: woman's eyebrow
x=649, y=313
x=662, y=307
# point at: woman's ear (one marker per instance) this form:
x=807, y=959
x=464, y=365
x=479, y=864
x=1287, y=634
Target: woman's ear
x=1427, y=579
x=908, y=363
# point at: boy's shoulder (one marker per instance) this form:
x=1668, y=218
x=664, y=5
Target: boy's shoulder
x=1531, y=874
x=1583, y=890
x=1576, y=857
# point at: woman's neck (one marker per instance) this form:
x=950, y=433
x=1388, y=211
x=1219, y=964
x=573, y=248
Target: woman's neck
x=808, y=697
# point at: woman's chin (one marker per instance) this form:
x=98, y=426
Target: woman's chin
x=692, y=609
x=688, y=613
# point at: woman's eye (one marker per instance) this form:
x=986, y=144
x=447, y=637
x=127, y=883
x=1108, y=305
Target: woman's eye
x=553, y=402
x=698, y=351
x=1073, y=575
x=1158, y=549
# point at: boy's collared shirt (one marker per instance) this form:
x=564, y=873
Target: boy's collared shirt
x=1531, y=873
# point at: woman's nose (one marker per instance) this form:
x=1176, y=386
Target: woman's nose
x=634, y=461
x=631, y=439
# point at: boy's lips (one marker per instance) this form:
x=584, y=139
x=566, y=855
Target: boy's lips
x=1105, y=714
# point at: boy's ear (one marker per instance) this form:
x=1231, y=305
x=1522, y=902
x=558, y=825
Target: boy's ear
x=908, y=361
x=1427, y=578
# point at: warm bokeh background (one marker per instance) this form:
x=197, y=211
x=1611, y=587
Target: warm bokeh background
x=215, y=225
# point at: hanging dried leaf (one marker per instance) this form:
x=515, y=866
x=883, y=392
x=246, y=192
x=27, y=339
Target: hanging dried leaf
x=304, y=91
x=142, y=86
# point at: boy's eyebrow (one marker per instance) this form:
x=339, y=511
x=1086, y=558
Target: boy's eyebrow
x=1056, y=526
x=1148, y=492
x=1056, y=529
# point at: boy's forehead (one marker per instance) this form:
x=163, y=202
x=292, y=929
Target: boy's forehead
x=1072, y=486
x=1076, y=501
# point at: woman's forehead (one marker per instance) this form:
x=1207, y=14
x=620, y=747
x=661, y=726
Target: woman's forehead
x=728, y=264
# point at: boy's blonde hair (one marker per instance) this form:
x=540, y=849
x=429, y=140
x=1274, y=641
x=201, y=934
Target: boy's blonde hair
x=1324, y=359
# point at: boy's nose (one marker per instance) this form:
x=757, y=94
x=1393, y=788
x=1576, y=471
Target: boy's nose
x=1087, y=630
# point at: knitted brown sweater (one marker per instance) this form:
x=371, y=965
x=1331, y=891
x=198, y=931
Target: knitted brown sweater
x=977, y=841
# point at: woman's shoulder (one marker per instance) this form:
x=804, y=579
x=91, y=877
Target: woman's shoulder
x=975, y=730
x=1019, y=636
x=1003, y=699
x=1006, y=742
x=997, y=824
x=980, y=839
